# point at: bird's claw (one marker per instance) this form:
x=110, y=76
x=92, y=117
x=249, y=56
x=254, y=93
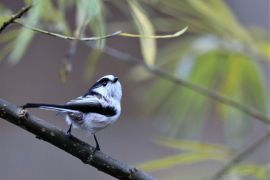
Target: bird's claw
x=68, y=133
x=97, y=148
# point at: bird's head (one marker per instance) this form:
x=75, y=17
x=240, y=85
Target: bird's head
x=108, y=86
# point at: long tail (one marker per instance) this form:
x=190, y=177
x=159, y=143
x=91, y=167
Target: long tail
x=93, y=107
x=52, y=107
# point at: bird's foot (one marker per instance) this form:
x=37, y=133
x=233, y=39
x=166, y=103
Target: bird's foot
x=97, y=148
x=68, y=133
x=23, y=113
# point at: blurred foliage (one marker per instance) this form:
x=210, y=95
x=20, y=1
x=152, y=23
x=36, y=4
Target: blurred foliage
x=148, y=46
x=218, y=53
x=193, y=152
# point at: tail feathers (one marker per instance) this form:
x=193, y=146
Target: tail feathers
x=52, y=107
x=38, y=105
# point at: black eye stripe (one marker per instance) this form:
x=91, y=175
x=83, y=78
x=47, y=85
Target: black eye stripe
x=99, y=83
x=103, y=80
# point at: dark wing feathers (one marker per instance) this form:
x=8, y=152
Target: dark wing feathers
x=81, y=107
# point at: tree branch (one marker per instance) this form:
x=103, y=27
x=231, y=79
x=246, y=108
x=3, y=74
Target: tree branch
x=67, y=37
x=15, y=16
x=49, y=133
x=125, y=57
x=73, y=46
x=239, y=157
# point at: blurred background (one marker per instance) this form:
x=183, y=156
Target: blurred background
x=165, y=129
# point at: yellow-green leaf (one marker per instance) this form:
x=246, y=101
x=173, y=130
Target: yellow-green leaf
x=25, y=36
x=145, y=27
x=180, y=159
x=191, y=145
x=257, y=171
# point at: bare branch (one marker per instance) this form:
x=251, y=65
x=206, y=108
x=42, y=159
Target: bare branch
x=15, y=16
x=67, y=61
x=125, y=57
x=242, y=155
x=49, y=133
x=67, y=37
x=210, y=93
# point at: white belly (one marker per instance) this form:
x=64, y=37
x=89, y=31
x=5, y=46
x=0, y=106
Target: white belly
x=92, y=122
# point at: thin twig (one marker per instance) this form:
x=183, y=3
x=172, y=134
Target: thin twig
x=117, y=33
x=242, y=155
x=67, y=61
x=18, y=15
x=68, y=37
x=125, y=57
x=49, y=133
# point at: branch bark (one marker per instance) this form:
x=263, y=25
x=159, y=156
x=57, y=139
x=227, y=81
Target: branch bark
x=239, y=157
x=18, y=15
x=70, y=144
x=117, y=33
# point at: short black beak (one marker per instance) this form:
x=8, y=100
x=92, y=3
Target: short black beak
x=115, y=79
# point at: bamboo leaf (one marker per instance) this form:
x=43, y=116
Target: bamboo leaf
x=231, y=83
x=180, y=159
x=92, y=11
x=145, y=27
x=252, y=77
x=264, y=49
x=257, y=171
x=26, y=35
x=3, y=18
x=192, y=145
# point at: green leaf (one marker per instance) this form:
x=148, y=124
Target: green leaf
x=200, y=152
x=195, y=146
x=243, y=83
x=93, y=11
x=264, y=49
x=145, y=27
x=26, y=35
x=4, y=19
x=180, y=159
x=51, y=14
x=252, y=77
x=257, y=171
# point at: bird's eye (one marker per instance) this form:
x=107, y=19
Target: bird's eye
x=104, y=83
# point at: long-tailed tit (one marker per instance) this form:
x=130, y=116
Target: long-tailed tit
x=95, y=110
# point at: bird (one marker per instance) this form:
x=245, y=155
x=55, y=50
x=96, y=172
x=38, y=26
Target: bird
x=98, y=108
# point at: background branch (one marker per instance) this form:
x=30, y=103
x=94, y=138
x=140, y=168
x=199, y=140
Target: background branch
x=67, y=37
x=73, y=46
x=242, y=155
x=125, y=57
x=152, y=69
x=49, y=133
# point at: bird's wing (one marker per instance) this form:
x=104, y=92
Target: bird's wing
x=84, y=100
x=85, y=104
x=94, y=104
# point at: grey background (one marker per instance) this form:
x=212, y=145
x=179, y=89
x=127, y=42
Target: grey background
x=35, y=79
